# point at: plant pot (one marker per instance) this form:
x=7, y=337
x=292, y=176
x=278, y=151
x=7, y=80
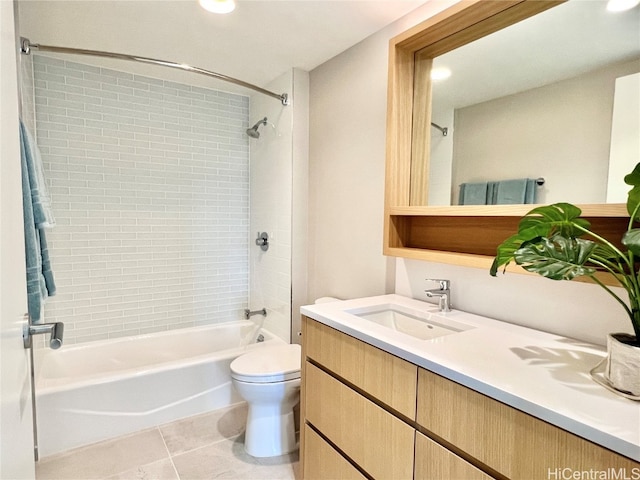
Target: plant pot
x=623, y=363
x=620, y=370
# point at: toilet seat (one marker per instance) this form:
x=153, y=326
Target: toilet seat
x=268, y=364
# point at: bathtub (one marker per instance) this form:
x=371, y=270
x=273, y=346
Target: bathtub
x=94, y=391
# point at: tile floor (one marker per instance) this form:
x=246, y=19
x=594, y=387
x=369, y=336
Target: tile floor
x=202, y=447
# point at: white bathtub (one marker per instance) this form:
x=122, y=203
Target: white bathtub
x=95, y=391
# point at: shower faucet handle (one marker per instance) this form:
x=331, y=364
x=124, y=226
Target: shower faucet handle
x=263, y=241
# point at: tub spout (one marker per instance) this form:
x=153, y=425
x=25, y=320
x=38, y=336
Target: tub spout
x=248, y=313
x=55, y=329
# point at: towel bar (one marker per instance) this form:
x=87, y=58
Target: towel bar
x=55, y=329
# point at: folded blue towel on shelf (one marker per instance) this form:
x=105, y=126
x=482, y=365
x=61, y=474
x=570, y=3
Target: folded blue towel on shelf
x=38, y=215
x=503, y=192
x=473, y=193
x=516, y=191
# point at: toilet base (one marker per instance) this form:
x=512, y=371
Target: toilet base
x=270, y=431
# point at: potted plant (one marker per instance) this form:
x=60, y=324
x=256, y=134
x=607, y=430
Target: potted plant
x=555, y=242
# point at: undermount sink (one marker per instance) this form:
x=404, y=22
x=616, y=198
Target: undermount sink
x=422, y=324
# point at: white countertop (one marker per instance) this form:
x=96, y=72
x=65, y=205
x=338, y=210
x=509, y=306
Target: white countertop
x=539, y=373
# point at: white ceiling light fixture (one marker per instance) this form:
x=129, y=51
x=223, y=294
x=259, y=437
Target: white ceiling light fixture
x=440, y=73
x=621, y=5
x=218, y=6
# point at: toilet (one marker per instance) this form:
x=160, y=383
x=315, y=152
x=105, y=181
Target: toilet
x=268, y=378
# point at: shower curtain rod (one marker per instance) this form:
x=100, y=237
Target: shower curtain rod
x=26, y=46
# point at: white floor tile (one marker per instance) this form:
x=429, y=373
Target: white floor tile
x=206, y=446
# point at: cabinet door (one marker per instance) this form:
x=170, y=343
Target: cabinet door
x=507, y=440
x=381, y=444
x=389, y=379
x=323, y=462
x=433, y=461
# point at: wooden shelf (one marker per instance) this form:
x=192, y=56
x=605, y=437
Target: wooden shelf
x=460, y=232
x=588, y=210
x=460, y=236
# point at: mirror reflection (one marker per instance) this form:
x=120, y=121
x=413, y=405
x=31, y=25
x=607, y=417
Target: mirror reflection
x=546, y=110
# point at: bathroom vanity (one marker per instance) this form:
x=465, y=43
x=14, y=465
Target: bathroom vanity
x=394, y=389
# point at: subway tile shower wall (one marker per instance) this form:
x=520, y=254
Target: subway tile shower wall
x=150, y=187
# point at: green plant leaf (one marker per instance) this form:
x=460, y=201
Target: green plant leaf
x=505, y=252
x=548, y=243
x=544, y=221
x=633, y=178
x=631, y=240
x=548, y=220
x=633, y=198
x=607, y=253
x=557, y=258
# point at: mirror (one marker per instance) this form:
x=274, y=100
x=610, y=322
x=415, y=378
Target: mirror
x=536, y=100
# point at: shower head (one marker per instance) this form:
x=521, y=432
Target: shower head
x=253, y=131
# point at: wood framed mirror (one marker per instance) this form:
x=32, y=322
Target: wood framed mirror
x=464, y=235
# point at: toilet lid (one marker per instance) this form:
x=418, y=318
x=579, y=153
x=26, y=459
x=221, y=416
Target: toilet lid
x=268, y=364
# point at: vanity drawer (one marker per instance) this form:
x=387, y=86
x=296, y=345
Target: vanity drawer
x=381, y=444
x=323, y=462
x=386, y=377
x=507, y=440
x=435, y=461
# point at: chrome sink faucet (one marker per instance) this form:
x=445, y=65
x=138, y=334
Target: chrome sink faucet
x=443, y=292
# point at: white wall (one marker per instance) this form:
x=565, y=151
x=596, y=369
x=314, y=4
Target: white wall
x=279, y=205
x=348, y=108
x=348, y=103
x=625, y=136
x=271, y=170
x=551, y=131
x=573, y=309
x=440, y=160
x=300, y=207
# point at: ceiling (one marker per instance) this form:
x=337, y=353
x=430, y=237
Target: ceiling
x=257, y=42
x=573, y=38
x=262, y=39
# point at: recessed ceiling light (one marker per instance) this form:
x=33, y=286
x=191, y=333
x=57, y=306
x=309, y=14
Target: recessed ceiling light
x=440, y=73
x=218, y=6
x=621, y=5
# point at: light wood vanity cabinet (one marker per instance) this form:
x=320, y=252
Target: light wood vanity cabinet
x=368, y=414
x=373, y=438
x=389, y=379
x=505, y=439
x=325, y=462
x=433, y=461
